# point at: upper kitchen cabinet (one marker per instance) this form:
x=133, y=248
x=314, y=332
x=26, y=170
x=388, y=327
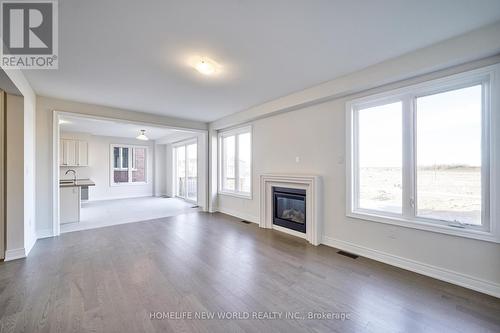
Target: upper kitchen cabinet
x=73, y=153
x=83, y=153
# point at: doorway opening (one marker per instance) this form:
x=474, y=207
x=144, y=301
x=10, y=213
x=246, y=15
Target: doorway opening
x=111, y=171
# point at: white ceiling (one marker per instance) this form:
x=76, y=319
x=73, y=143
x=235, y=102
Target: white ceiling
x=133, y=54
x=106, y=127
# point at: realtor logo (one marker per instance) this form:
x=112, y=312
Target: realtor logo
x=29, y=34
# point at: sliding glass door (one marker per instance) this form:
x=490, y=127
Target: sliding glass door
x=186, y=170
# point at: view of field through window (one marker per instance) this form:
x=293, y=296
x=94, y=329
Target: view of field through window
x=380, y=158
x=448, y=156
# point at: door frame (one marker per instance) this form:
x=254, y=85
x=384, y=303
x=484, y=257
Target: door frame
x=3, y=197
x=56, y=115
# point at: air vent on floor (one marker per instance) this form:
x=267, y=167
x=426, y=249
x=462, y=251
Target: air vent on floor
x=246, y=222
x=195, y=206
x=347, y=254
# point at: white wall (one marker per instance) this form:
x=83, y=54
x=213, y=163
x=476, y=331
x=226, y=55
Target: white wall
x=14, y=176
x=44, y=153
x=169, y=180
x=29, y=173
x=98, y=168
x=160, y=181
x=28, y=236
x=314, y=130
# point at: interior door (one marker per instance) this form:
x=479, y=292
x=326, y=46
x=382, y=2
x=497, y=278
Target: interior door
x=2, y=173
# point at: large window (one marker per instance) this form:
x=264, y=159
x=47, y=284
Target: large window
x=186, y=170
x=420, y=156
x=380, y=159
x=235, y=176
x=128, y=164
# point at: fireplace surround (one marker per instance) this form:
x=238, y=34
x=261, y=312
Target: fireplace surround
x=311, y=184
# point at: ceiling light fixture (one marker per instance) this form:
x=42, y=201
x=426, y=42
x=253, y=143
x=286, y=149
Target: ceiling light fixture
x=205, y=67
x=142, y=136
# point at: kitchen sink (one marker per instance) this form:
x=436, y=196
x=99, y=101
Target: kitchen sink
x=66, y=182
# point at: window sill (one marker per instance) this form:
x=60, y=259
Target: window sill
x=129, y=184
x=427, y=226
x=236, y=195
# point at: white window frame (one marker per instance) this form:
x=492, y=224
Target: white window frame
x=234, y=132
x=184, y=144
x=131, y=164
x=490, y=174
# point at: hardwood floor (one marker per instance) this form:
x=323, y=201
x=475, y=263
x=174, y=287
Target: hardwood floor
x=118, y=278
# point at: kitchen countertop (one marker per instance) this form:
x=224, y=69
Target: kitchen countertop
x=78, y=183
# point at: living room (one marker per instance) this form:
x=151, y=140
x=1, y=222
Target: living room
x=344, y=179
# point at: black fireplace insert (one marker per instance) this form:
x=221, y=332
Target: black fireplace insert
x=289, y=208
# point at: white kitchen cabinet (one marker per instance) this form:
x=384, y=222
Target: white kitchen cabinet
x=70, y=152
x=73, y=153
x=83, y=153
x=69, y=204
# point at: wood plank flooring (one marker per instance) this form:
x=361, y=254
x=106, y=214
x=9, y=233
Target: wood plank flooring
x=118, y=278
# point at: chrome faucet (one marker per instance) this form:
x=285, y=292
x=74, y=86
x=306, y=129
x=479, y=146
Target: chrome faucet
x=74, y=174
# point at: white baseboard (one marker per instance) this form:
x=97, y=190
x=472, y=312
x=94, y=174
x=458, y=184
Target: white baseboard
x=450, y=276
x=29, y=246
x=15, y=254
x=44, y=233
x=119, y=198
x=243, y=216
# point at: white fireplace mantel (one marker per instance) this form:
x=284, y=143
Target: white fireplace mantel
x=312, y=185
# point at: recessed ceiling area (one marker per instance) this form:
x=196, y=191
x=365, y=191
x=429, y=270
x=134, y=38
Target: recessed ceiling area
x=265, y=49
x=107, y=127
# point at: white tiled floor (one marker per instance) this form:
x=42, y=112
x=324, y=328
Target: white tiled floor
x=97, y=214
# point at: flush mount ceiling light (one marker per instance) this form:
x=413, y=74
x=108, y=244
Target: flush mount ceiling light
x=205, y=67
x=142, y=136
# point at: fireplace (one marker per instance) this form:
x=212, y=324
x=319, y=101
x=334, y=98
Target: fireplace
x=289, y=208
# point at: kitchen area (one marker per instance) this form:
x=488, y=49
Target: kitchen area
x=73, y=154
x=113, y=172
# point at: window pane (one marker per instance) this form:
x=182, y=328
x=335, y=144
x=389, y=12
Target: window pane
x=192, y=183
x=124, y=158
x=139, y=164
x=180, y=170
x=449, y=155
x=116, y=157
x=120, y=174
x=228, y=182
x=380, y=158
x=244, y=160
